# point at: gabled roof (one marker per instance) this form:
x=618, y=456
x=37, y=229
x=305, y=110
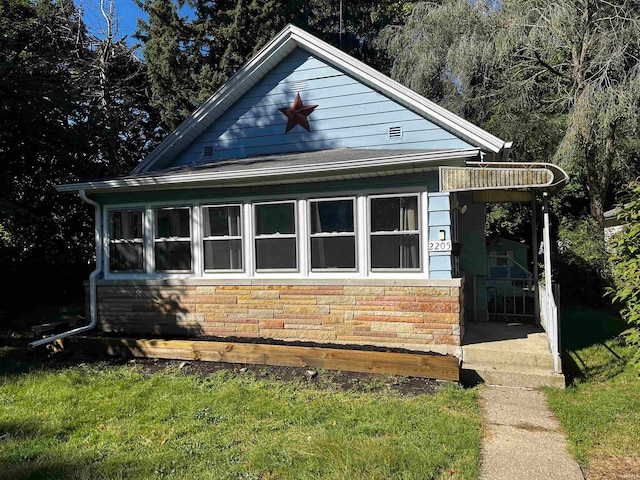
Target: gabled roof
x=276, y=50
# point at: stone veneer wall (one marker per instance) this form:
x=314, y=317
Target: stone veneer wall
x=421, y=315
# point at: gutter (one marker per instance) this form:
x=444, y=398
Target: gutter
x=276, y=174
x=93, y=298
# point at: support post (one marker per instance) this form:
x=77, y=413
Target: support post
x=534, y=253
x=547, y=241
x=551, y=314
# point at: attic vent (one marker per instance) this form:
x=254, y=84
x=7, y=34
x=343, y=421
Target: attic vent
x=297, y=85
x=207, y=151
x=395, y=132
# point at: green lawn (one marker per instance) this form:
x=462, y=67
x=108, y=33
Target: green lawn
x=92, y=421
x=601, y=411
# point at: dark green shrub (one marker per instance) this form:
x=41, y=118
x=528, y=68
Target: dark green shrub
x=625, y=258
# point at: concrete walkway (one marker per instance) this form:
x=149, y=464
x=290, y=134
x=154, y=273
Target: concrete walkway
x=523, y=439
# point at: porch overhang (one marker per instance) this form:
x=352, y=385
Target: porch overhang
x=517, y=182
x=503, y=181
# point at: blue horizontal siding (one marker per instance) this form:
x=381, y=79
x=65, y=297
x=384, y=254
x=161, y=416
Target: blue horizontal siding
x=440, y=263
x=349, y=114
x=434, y=232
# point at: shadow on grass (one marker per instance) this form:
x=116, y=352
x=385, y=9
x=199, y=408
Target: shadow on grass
x=30, y=457
x=586, y=331
x=135, y=312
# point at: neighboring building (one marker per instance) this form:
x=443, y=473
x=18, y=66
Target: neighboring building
x=612, y=226
x=508, y=259
x=310, y=199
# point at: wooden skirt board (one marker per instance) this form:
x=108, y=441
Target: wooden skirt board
x=444, y=367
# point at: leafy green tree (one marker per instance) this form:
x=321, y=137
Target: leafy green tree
x=586, y=54
x=41, y=53
x=626, y=264
x=72, y=106
x=559, y=78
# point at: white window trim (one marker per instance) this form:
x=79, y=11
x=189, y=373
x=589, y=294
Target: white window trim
x=354, y=234
x=296, y=236
x=197, y=247
x=371, y=272
x=190, y=209
x=203, y=238
x=106, y=222
x=303, y=270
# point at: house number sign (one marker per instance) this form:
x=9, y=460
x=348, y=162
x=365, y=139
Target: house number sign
x=440, y=246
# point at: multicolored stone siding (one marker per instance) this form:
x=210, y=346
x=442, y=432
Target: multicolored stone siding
x=423, y=315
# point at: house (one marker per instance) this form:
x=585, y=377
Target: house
x=311, y=198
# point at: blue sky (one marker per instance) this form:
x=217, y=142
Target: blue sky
x=127, y=14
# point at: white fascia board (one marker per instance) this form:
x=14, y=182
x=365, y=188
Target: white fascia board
x=265, y=175
x=274, y=51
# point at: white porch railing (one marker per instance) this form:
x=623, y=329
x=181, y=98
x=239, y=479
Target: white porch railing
x=510, y=292
x=549, y=321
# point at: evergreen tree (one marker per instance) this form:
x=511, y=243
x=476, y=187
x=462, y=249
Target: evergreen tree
x=189, y=58
x=170, y=71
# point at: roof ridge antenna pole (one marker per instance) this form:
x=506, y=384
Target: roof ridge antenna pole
x=340, y=24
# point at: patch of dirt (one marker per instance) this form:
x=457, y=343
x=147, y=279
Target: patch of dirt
x=53, y=358
x=321, y=378
x=534, y=428
x=607, y=467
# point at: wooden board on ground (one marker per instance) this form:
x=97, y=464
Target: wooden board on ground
x=443, y=367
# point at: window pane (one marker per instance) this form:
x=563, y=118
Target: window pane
x=395, y=251
x=125, y=256
x=392, y=214
x=276, y=218
x=332, y=216
x=221, y=221
x=333, y=252
x=223, y=254
x=172, y=223
x=275, y=253
x=126, y=224
x=173, y=256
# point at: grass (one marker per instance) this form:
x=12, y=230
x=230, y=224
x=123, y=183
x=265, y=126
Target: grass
x=600, y=411
x=93, y=421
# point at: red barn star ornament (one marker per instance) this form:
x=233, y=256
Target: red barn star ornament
x=297, y=114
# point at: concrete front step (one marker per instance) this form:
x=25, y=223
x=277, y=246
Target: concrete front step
x=510, y=375
x=486, y=354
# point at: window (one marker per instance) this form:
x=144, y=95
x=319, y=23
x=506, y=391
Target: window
x=222, y=237
x=275, y=236
x=501, y=259
x=126, y=241
x=333, y=239
x=394, y=232
x=172, y=242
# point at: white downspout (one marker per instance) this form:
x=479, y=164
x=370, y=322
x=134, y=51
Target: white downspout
x=93, y=299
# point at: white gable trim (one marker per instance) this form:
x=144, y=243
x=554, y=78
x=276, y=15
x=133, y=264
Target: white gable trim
x=276, y=50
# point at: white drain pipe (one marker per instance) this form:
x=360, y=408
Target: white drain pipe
x=93, y=298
